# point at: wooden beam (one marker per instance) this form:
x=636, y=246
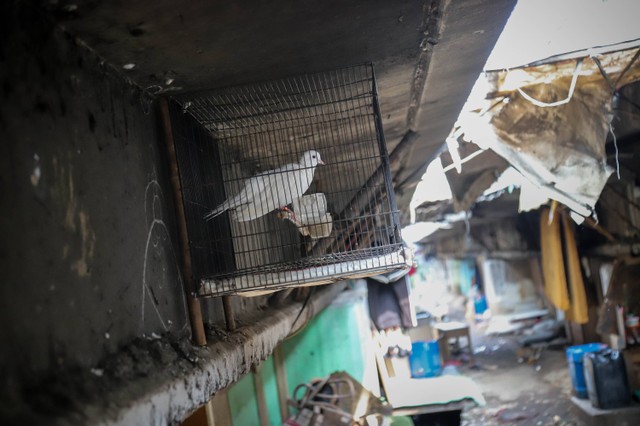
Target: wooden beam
x=258, y=383
x=218, y=411
x=193, y=304
x=281, y=382
x=209, y=411
x=228, y=313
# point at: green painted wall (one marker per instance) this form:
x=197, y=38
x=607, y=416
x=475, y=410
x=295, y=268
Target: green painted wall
x=338, y=339
x=242, y=402
x=271, y=391
x=462, y=273
x=332, y=341
x=242, y=397
x=467, y=269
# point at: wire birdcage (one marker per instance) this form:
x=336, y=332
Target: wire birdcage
x=262, y=211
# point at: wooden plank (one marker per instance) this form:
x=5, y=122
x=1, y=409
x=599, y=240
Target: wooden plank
x=209, y=411
x=193, y=304
x=281, y=382
x=381, y=361
x=218, y=412
x=258, y=383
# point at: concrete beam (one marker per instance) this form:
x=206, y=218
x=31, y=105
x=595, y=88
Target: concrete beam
x=163, y=398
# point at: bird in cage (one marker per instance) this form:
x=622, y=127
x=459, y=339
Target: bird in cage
x=270, y=190
x=310, y=216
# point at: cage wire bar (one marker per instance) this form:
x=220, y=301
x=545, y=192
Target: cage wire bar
x=257, y=197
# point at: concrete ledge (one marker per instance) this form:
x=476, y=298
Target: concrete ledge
x=626, y=416
x=165, y=397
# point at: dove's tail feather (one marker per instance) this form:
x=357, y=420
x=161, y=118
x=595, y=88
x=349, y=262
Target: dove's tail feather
x=237, y=201
x=219, y=210
x=214, y=213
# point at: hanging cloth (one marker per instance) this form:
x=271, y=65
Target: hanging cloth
x=555, y=282
x=578, y=310
x=563, y=282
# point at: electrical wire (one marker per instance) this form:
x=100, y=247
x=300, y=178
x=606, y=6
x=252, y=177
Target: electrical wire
x=624, y=197
x=626, y=99
x=304, y=305
x=312, y=394
x=620, y=215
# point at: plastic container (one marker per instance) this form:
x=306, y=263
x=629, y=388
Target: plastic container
x=606, y=379
x=574, y=356
x=425, y=359
x=480, y=304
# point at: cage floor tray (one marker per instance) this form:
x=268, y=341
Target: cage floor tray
x=348, y=268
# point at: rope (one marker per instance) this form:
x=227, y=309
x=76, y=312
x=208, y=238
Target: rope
x=572, y=87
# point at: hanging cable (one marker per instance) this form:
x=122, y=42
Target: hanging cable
x=622, y=217
x=572, y=87
x=624, y=197
x=604, y=74
x=614, y=92
x=615, y=144
x=293, y=333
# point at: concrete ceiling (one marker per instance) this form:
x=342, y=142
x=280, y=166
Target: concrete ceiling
x=427, y=54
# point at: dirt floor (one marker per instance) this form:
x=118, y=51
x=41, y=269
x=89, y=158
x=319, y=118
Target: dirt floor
x=526, y=394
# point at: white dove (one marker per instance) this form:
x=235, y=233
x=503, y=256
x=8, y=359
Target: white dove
x=270, y=190
x=310, y=215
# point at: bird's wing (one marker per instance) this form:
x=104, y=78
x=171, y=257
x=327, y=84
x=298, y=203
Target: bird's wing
x=267, y=199
x=252, y=186
x=265, y=192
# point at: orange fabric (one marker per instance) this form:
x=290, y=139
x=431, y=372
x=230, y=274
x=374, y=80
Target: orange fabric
x=555, y=282
x=578, y=310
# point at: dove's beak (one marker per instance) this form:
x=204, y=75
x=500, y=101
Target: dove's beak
x=322, y=163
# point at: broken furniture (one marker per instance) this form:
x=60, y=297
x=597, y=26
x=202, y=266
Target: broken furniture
x=335, y=400
x=452, y=330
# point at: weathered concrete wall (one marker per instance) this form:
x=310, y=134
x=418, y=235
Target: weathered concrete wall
x=87, y=247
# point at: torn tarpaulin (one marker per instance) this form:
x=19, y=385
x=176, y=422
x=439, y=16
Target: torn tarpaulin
x=559, y=147
x=560, y=150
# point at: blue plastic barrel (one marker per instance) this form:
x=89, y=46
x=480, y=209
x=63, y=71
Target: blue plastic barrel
x=574, y=356
x=425, y=359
